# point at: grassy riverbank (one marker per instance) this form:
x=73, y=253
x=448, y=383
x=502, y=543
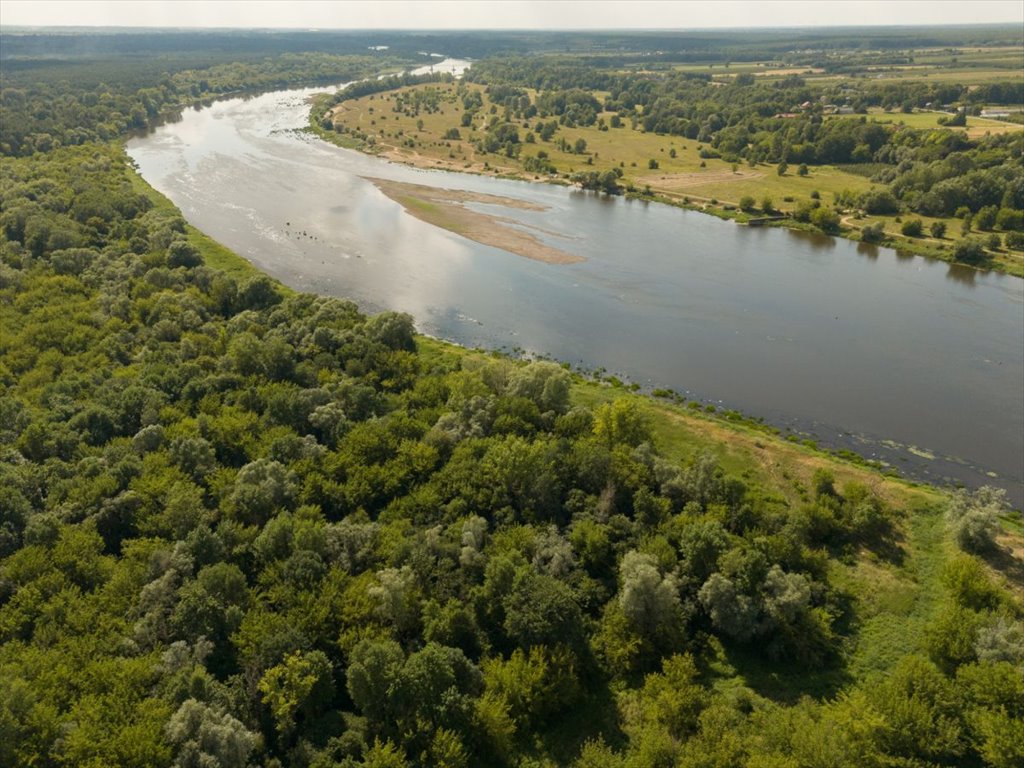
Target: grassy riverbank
x=661, y=167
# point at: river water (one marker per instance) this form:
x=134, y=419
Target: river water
x=910, y=361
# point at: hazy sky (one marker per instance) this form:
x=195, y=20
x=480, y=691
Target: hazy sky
x=504, y=14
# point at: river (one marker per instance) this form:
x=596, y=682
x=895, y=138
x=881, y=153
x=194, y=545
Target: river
x=909, y=361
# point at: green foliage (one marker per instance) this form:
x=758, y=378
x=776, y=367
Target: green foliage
x=969, y=250
x=825, y=219
x=879, y=201
x=242, y=526
x=301, y=684
x=1014, y=240
x=873, y=233
x=912, y=228
x=207, y=735
x=974, y=517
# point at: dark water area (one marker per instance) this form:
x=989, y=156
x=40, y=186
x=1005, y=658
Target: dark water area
x=913, y=362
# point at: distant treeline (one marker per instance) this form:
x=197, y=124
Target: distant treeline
x=43, y=114
x=706, y=45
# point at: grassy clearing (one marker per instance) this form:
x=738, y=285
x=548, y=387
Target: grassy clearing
x=968, y=66
x=1003, y=259
x=924, y=120
x=895, y=602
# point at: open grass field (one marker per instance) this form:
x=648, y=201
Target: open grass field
x=631, y=150
x=924, y=120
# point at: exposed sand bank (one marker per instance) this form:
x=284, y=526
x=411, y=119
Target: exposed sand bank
x=446, y=208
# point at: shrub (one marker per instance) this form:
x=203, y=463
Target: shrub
x=1014, y=240
x=938, y=229
x=974, y=518
x=873, y=233
x=804, y=209
x=652, y=164
x=747, y=203
x=825, y=219
x=969, y=250
x=912, y=228
x=1010, y=219
x=986, y=217
x=878, y=201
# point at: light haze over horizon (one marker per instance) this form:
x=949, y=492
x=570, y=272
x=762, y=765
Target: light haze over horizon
x=509, y=15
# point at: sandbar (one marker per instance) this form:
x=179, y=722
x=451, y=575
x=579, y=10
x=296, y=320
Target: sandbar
x=446, y=208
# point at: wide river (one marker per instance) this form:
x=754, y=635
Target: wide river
x=905, y=360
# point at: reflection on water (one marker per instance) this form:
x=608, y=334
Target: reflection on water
x=812, y=239
x=854, y=345
x=961, y=274
x=868, y=249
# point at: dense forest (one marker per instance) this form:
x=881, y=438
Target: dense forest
x=245, y=526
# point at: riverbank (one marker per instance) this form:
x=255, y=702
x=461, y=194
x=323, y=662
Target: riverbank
x=655, y=167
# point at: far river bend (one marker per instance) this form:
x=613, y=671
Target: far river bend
x=910, y=361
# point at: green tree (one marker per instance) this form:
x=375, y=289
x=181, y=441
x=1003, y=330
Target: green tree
x=974, y=517
x=262, y=487
x=825, y=219
x=969, y=250
x=540, y=609
x=912, y=228
x=620, y=422
x=300, y=686
x=649, y=599
x=205, y=735
x=985, y=218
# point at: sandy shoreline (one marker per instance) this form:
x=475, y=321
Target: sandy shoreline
x=446, y=208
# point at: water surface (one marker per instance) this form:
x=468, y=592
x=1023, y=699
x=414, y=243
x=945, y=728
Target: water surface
x=907, y=360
